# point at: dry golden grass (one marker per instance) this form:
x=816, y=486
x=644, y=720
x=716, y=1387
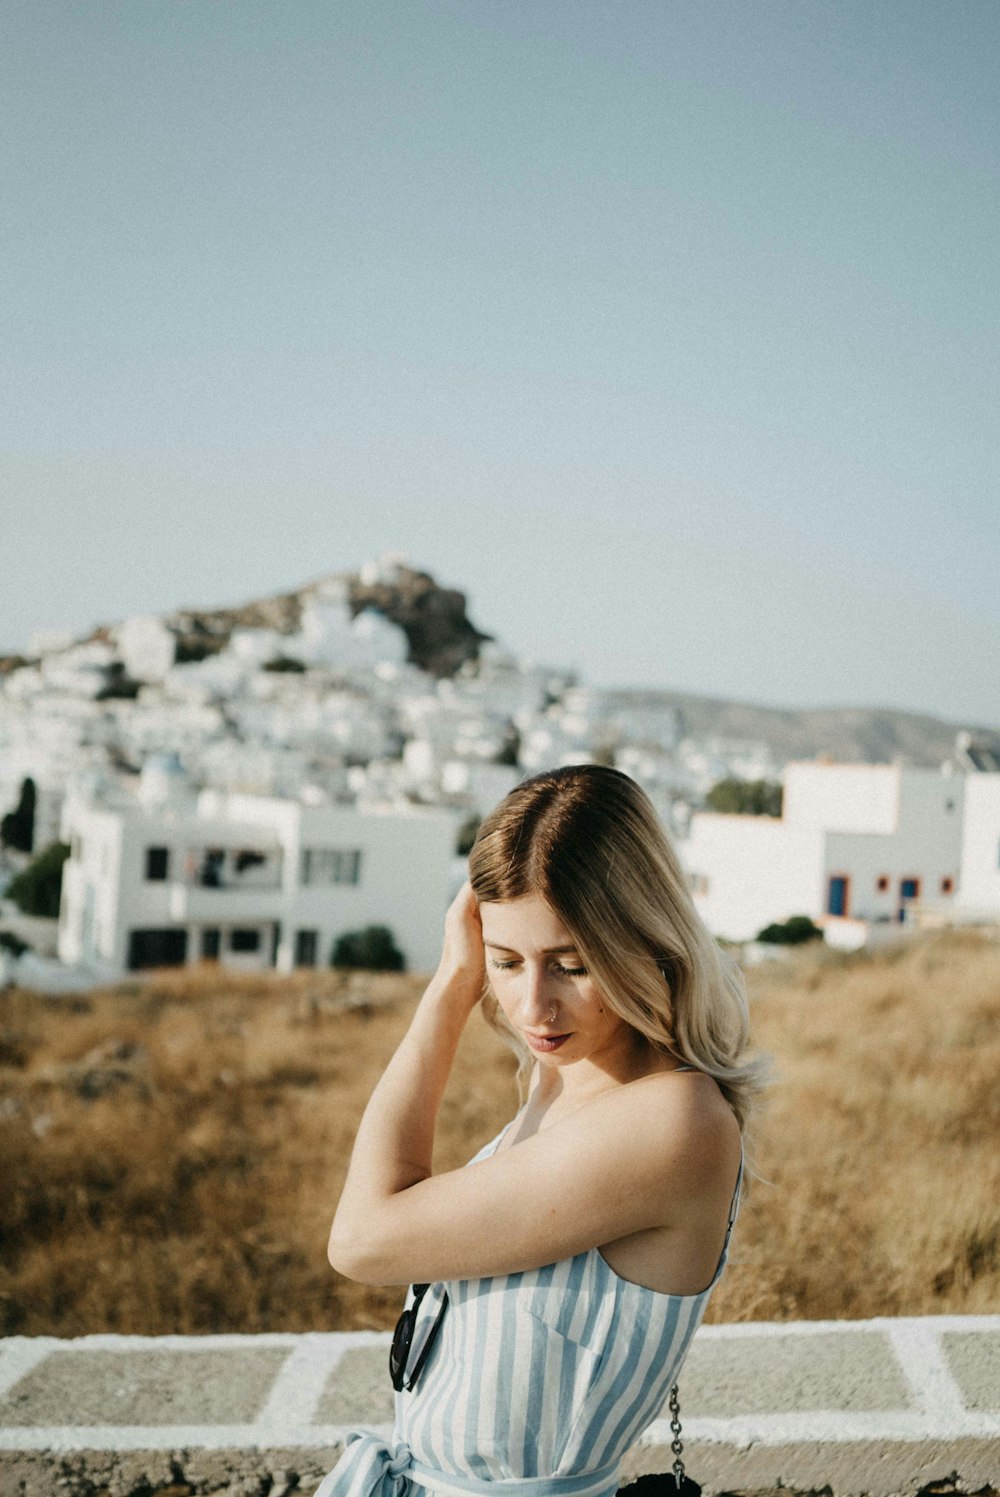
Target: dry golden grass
x=878, y=1143
x=173, y=1149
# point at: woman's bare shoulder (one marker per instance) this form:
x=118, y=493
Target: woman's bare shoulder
x=689, y=1111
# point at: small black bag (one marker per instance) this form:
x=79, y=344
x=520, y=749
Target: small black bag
x=660, y=1484
x=673, y=1483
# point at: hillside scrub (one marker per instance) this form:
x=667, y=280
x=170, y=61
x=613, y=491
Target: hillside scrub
x=174, y=1146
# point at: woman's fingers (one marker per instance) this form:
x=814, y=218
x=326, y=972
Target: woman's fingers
x=463, y=942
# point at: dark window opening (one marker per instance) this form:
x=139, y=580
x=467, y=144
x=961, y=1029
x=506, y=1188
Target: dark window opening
x=157, y=948
x=157, y=863
x=331, y=865
x=306, y=947
x=211, y=942
x=210, y=874
x=244, y=939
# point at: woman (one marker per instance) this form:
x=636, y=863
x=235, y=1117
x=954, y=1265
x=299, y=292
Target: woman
x=560, y=1281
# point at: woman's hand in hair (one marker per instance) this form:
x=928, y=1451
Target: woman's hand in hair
x=464, y=957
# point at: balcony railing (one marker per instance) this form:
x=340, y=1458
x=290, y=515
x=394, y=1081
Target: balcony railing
x=245, y=868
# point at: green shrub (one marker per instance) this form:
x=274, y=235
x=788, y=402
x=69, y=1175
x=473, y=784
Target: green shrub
x=36, y=890
x=17, y=828
x=738, y=797
x=373, y=949
x=466, y=836
x=284, y=663
x=790, y=932
x=118, y=684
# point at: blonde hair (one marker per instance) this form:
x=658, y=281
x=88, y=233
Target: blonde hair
x=588, y=840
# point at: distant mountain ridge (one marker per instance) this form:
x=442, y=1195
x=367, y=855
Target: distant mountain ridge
x=441, y=639
x=872, y=735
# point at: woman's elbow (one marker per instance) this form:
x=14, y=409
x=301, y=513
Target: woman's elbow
x=341, y=1254
x=348, y=1256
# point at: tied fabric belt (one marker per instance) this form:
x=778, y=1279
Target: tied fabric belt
x=371, y=1468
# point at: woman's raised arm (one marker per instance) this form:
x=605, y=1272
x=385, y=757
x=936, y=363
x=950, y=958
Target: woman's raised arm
x=395, y=1142
x=634, y=1157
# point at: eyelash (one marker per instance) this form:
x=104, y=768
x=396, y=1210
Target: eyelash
x=564, y=971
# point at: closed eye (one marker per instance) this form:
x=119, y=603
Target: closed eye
x=558, y=966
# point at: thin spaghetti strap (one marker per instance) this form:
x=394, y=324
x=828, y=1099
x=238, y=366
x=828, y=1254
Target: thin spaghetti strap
x=735, y=1202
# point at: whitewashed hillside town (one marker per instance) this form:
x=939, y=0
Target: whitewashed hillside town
x=300, y=774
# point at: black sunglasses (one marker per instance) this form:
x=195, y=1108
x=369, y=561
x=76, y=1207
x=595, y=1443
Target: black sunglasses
x=402, y=1339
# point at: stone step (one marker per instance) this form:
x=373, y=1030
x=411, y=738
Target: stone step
x=875, y=1407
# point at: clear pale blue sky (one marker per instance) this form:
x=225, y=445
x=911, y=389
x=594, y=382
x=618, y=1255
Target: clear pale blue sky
x=666, y=329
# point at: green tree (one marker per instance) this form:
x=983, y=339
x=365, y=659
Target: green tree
x=118, y=684
x=510, y=750
x=284, y=663
x=36, y=890
x=791, y=932
x=466, y=836
x=745, y=797
x=372, y=948
x=17, y=828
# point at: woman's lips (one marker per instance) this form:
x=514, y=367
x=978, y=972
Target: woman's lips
x=544, y=1043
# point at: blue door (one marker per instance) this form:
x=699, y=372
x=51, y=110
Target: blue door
x=836, y=898
x=909, y=888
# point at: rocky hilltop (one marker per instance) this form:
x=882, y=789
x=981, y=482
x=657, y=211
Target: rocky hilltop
x=440, y=635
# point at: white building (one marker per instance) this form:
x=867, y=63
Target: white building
x=167, y=877
x=979, y=870
x=606, y=716
x=480, y=784
x=387, y=570
x=147, y=647
x=856, y=846
x=330, y=635
x=79, y=671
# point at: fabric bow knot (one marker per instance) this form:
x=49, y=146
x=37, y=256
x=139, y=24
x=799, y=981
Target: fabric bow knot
x=385, y=1466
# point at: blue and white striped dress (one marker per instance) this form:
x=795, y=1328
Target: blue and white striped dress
x=537, y=1384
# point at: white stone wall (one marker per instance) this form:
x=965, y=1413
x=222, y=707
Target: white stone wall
x=842, y=797
x=979, y=877
x=90, y=910
x=404, y=879
x=756, y=869
x=147, y=647
x=925, y=845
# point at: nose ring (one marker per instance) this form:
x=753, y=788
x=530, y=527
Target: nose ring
x=552, y=1014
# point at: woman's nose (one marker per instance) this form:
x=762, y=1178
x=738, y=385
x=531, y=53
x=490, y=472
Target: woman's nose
x=536, y=1000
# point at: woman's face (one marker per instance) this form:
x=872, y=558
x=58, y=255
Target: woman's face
x=543, y=987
